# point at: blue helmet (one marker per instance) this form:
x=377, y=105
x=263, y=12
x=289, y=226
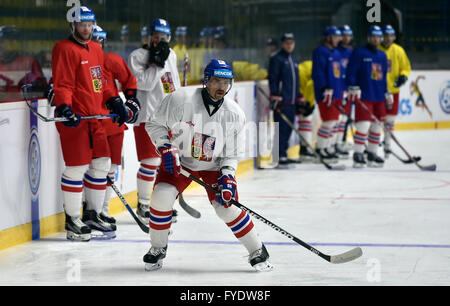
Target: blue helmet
x=161, y=26
x=144, y=31
x=375, y=31
x=181, y=31
x=124, y=30
x=388, y=30
x=331, y=30
x=217, y=68
x=346, y=30
x=85, y=14
x=98, y=33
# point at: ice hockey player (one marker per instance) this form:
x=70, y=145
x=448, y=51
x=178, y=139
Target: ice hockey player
x=80, y=90
x=284, y=91
x=327, y=77
x=366, y=80
x=304, y=109
x=346, y=49
x=399, y=69
x=155, y=69
x=116, y=69
x=211, y=125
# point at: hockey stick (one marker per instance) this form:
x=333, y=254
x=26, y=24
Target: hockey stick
x=189, y=209
x=143, y=227
x=386, y=130
x=335, y=259
x=289, y=122
x=25, y=88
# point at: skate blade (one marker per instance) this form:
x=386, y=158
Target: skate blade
x=153, y=266
x=263, y=266
x=358, y=166
x=78, y=237
x=375, y=165
x=97, y=235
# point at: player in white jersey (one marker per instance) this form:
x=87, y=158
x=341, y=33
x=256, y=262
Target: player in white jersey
x=155, y=69
x=203, y=133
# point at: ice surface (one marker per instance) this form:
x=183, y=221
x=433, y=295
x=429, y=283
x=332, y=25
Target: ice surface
x=399, y=216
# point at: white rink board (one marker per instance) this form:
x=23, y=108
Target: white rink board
x=15, y=137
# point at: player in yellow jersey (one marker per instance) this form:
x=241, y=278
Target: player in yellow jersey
x=399, y=69
x=305, y=108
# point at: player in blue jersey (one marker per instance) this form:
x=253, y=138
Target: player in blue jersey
x=328, y=82
x=366, y=80
x=346, y=49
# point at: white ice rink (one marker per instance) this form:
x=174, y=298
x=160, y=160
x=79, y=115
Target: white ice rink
x=398, y=215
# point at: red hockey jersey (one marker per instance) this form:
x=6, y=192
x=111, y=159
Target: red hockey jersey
x=78, y=74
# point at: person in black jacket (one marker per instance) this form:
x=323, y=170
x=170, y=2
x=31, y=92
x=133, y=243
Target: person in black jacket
x=284, y=90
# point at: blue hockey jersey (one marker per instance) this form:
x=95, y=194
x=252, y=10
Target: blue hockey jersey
x=327, y=72
x=345, y=57
x=367, y=68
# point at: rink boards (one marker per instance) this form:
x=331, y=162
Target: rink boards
x=31, y=161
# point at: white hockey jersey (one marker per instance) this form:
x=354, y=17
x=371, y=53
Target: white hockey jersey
x=205, y=142
x=153, y=82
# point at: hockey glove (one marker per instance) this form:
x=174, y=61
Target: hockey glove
x=275, y=103
x=116, y=106
x=401, y=79
x=389, y=100
x=170, y=158
x=66, y=111
x=158, y=54
x=354, y=93
x=303, y=107
x=49, y=94
x=328, y=96
x=133, y=108
x=227, y=188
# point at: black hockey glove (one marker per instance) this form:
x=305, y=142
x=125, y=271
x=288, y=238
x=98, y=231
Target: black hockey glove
x=66, y=111
x=158, y=54
x=304, y=108
x=401, y=79
x=133, y=107
x=116, y=106
x=49, y=94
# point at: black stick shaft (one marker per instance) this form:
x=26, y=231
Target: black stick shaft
x=259, y=217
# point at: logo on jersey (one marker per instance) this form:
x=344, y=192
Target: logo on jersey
x=203, y=147
x=167, y=83
x=377, y=72
x=96, y=76
x=337, y=70
x=344, y=63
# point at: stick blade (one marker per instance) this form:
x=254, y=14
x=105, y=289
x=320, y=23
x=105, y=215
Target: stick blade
x=347, y=256
x=429, y=168
x=190, y=210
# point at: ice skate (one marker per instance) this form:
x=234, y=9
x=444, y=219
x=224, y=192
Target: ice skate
x=77, y=230
x=259, y=260
x=374, y=161
x=106, y=217
x=306, y=154
x=154, y=258
x=143, y=212
x=358, y=160
x=341, y=152
x=103, y=230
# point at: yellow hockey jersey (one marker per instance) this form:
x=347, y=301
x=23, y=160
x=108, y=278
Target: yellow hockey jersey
x=398, y=64
x=306, y=82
